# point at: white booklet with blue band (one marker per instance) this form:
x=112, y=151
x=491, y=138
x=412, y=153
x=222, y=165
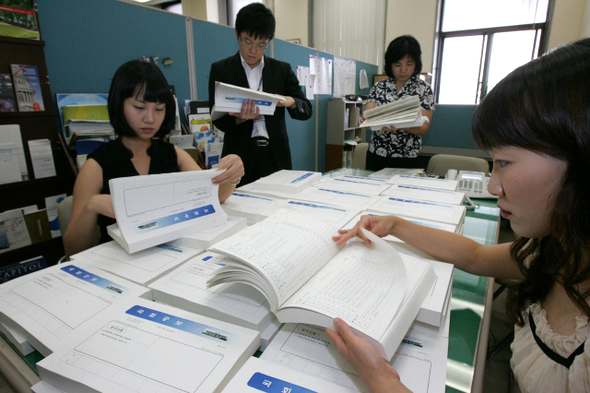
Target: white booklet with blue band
x=156, y=209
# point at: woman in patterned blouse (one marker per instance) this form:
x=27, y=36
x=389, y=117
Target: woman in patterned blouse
x=392, y=147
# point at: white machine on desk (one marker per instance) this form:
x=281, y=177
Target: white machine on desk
x=473, y=184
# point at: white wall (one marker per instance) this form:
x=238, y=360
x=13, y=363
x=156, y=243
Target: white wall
x=568, y=16
x=292, y=20
x=416, y=18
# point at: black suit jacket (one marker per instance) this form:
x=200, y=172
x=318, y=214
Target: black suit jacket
x=277, y=78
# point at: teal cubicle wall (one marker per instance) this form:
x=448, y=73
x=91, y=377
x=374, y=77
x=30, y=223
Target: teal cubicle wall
x=302, y=134
x=451, y=127
x=87, y=40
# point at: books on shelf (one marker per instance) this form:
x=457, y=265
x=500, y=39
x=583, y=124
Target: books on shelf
x=48, y=305
x=20, y=20
x=156, y=209
x=27, y=87
x=7, y=97
x=292, y=259
x=229, y=98
x=13, y=165
x=403, y=113
x=13, y=230
x=186, y=287
x=141, y=267
x=144, y=346
x=86, y=121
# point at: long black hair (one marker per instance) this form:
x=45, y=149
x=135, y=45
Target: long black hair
x=544, y=106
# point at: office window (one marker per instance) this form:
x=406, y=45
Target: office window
x=481, y=41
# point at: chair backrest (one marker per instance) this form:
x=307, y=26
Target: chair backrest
x=64, y=212
x=439, y=164
x=359, y=156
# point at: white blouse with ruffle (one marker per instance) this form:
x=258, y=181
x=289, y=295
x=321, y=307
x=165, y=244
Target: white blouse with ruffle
x=535, y=371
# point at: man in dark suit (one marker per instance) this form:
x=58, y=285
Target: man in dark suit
x=261, y=141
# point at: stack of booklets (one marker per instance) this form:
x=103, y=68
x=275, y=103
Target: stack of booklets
x=303, y=358
x=254, y=208
x=285, y=182
x=229, y=98
x=203, y=238
x=156, y=209
x=141, y=267
x=403, y=113
x=86, y=121
x=292, y=259
x=186, y=287
x=49, y=305
x=142, y=346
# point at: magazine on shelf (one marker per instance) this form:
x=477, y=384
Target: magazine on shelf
x=292, y=259
x=27, y=87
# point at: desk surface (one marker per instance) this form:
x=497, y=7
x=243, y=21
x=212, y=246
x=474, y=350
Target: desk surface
x=470, y=309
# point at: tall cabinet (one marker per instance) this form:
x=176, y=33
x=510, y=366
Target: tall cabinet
x=344, y=119
x=34, y=126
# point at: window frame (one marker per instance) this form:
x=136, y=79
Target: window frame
x=488, y=34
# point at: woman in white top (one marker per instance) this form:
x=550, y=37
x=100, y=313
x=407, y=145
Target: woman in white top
x=536, y=125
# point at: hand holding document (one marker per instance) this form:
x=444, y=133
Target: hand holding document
x=156, y=209
x=229, y=98
x=403, y=113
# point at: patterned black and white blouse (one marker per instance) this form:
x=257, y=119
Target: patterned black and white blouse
x=400, y=143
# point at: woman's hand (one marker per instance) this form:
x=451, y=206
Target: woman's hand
x=364, y=358
x=379, y=225
x=390, y=129
x=234, y=167
x=288, y=103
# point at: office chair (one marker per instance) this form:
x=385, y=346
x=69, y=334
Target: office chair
x=359, y=156
x=439, y=164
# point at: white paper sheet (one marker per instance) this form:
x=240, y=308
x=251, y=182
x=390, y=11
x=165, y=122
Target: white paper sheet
x=141, y=267
x=42, y=158
x=141, y=346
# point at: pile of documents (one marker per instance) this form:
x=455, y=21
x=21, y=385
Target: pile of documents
x=86, y=121
x=160, y=308
x=403, y=113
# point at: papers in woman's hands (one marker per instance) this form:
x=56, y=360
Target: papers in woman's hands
x=229, y=98
x=156, y=209
x=402, y=113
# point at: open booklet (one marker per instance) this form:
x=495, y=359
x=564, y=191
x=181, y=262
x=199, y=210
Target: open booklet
x=292, y=259
x=156, y=209
x=229, y=98
x=403, y=113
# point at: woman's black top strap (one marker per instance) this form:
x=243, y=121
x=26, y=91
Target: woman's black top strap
x=566, y=362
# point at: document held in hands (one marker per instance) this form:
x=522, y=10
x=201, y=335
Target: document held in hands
x=156, y=209
x=229, y=98
x=292, y=259
x=402, y=113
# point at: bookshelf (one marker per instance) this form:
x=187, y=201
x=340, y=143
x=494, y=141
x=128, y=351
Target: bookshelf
x=344, y=119
x=34, y=125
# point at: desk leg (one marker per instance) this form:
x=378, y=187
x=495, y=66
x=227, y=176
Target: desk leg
x=15, y=370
